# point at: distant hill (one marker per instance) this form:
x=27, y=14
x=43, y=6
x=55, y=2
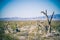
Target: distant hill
x=55, y=17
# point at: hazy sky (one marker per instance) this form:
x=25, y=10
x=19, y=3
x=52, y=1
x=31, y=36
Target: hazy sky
x=28, y=8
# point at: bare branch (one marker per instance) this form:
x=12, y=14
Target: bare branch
x=51, y=17
x=45, y=13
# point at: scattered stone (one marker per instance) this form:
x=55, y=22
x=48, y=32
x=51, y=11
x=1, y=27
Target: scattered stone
x=22, y=37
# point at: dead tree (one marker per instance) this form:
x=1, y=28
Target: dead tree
x=49, y=20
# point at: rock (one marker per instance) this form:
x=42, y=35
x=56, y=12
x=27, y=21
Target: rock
x=22, y=37
x=48, y=35
x=56, y=34
x=6, y=32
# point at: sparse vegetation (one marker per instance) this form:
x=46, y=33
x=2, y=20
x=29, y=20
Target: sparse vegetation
x=30, y=32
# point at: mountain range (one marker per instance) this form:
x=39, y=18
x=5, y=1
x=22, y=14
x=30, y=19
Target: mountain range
x=55, y=17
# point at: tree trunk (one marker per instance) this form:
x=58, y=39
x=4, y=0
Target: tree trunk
x=49, y=29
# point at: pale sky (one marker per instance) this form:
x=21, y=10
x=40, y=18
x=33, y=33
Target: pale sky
x=28, y=9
